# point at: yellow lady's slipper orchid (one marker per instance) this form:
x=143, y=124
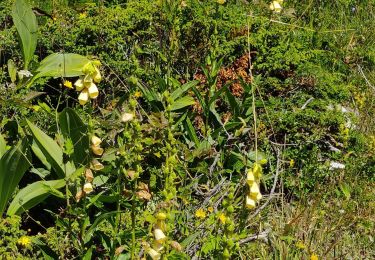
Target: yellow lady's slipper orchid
x=97, y=150
x=159, y=235
x=250, y=203
x=87, y=188
x=93, y=91
x=96, y=165
x=276, y=6
x=250, y=177
x=254, y=190
x=83, y=97
x=79, y=84
x=126, y=117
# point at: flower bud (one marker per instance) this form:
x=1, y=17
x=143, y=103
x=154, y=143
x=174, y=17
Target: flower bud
x=83, y=97
x=176, y=246
x=79, y=195
x=97, y=76
x=87, y=188
x=161, y=216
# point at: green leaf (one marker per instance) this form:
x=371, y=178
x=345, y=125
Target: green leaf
x=33, y=194
x=52, y=151
x=191, y=131
x=61, y=65
x=13, y=165
x=98, y=220
x=12, y=70
x=25, y=21
x=180, y=91
x=3, y=146
x=72, y=127
x=182, y=102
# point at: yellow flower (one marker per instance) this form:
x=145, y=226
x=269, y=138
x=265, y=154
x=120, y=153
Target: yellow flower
x=83, y=97
x=291, y=163
x=250, y=177
x=82, y=15
x=96, y=165
x=254, y=190
x=97, y=75
x=210, y=209
x=221, y=2
x=159, y=235
x=257, y=170
x=24, y=241
x=137, y=94
x=161, y=216
x=96, y=140
x=200, y=213
x=155, y=255
x=79, y=84
x=250, y=203
x=68, y=84
x=87, y=188
x=93, y=90
x=97, y=150
x=222, y=218
x=300, y=245
x=314, y=257
x=276, y=6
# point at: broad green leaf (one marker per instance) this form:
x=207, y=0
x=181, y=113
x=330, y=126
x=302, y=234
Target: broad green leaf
x=60, y=65
x=12, y=70
x=13, y=165
x=40, y=155
x=3, y=146
x=25, y=21
x=72, y=127
x=182, y=102
x=181, y=90
x=33, y=194
x=52, y=151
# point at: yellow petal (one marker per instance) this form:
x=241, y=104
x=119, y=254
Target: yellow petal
x=93, y=91
x=159, y=235
x=250, y=203
x=87, y=188
x=79, y=84
x=276, y=7
x=97, y=150
x=83, y=97
x=96, y=140
x=89, y=175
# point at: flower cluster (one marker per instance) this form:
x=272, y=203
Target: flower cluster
x=160, y=237
x=86, y=84
x=253, y=179
x=276, y=6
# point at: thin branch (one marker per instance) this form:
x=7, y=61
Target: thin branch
x=262, y=236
